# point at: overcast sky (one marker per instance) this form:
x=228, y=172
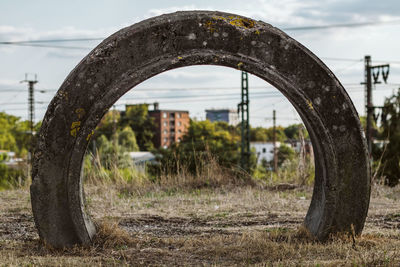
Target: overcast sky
x=44, y=19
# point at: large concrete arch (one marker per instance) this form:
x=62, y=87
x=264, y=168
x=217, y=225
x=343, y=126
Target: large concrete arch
x=136, y=53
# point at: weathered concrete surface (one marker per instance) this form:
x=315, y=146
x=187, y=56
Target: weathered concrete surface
x=136, y=53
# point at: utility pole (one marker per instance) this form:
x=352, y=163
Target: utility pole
x=243, y=108
x=274, y=140
x=31, y=116
x=372, y=72
x=368, y=101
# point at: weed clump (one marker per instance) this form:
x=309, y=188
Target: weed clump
x=110, y=235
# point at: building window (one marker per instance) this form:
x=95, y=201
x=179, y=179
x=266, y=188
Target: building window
x=164, y=115
x=165, y=124
x=264, y=150
x=179, y=131
x=178, y=115
x=165, y=139
x=179, y=123
x=165, y=131
x=179, y=140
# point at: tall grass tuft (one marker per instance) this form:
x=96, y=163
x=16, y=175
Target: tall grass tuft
x=13, y=177
x=296, y=171
x=174, y=175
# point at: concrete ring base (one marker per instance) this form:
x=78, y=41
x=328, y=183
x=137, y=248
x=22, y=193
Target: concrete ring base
x=136, y=53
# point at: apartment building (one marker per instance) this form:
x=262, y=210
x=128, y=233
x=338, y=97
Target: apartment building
x=171, y=125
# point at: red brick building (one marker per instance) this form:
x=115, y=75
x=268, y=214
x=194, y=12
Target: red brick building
x=171, y=125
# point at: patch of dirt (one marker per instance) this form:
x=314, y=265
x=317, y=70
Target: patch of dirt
x=17, y=226
x=180, y=226
x=389, y=221
x=239, y=227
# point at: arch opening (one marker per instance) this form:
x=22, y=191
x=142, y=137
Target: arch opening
x=141, y=51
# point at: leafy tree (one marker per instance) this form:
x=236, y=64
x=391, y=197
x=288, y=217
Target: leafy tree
x=137, y=117
x=7, y=139
x=207, y=136
x=3, y=157
x=285, y=153
x=260, y=134
x=293, y=131
x=114, y=154
x=203, y=140
x=127, y=139
x=106, y=126
x=22, y=137
x=390, y=167
x=14, y=134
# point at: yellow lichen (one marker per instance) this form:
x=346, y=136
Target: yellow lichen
x=310, y=105
x=210, y=26
x=63, y=94
x=237, y=21
x=80, y=112
x=180, y=57
x=220, y=17
x=75, y=127
x=242, y=22
x=239, y=65
x=89, y=135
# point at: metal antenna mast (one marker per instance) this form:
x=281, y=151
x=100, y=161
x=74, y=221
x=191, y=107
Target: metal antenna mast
x=31, y=114
x=243, y=108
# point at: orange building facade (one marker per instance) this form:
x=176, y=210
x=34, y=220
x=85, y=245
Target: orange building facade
x=171, y=125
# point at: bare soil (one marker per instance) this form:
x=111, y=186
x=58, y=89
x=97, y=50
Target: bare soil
x=219, y=227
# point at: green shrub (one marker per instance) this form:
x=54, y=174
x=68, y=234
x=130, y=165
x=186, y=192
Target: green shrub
x=11, y=177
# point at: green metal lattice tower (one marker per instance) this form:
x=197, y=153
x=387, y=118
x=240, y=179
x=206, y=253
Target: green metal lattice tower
x=243, y=109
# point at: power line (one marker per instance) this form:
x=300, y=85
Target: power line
x=313, y=27
x=24, y=103
x=196, y=98
x=7, y=90
x=12, y=97
x=46, y=46
x=18, y=109
x=41, y=43
x=347, y=67
x=341, y=59
x=343, y=25
x=389, y=61
x=153, y=89
x=270, y=93
x=54, y=40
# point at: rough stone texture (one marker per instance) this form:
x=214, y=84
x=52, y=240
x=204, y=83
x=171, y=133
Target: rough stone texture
x=136, y=53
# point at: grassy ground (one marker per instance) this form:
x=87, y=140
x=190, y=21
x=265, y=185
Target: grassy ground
x=232, y=225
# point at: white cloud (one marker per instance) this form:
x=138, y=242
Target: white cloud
x=10, y=33
x=53, y=65
x=15, y=34
x=159, y=11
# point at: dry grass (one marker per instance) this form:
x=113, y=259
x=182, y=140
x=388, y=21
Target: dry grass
x=225, y=226
x=129, y=181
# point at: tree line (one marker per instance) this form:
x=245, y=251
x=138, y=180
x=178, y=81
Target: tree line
x=134, y=130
